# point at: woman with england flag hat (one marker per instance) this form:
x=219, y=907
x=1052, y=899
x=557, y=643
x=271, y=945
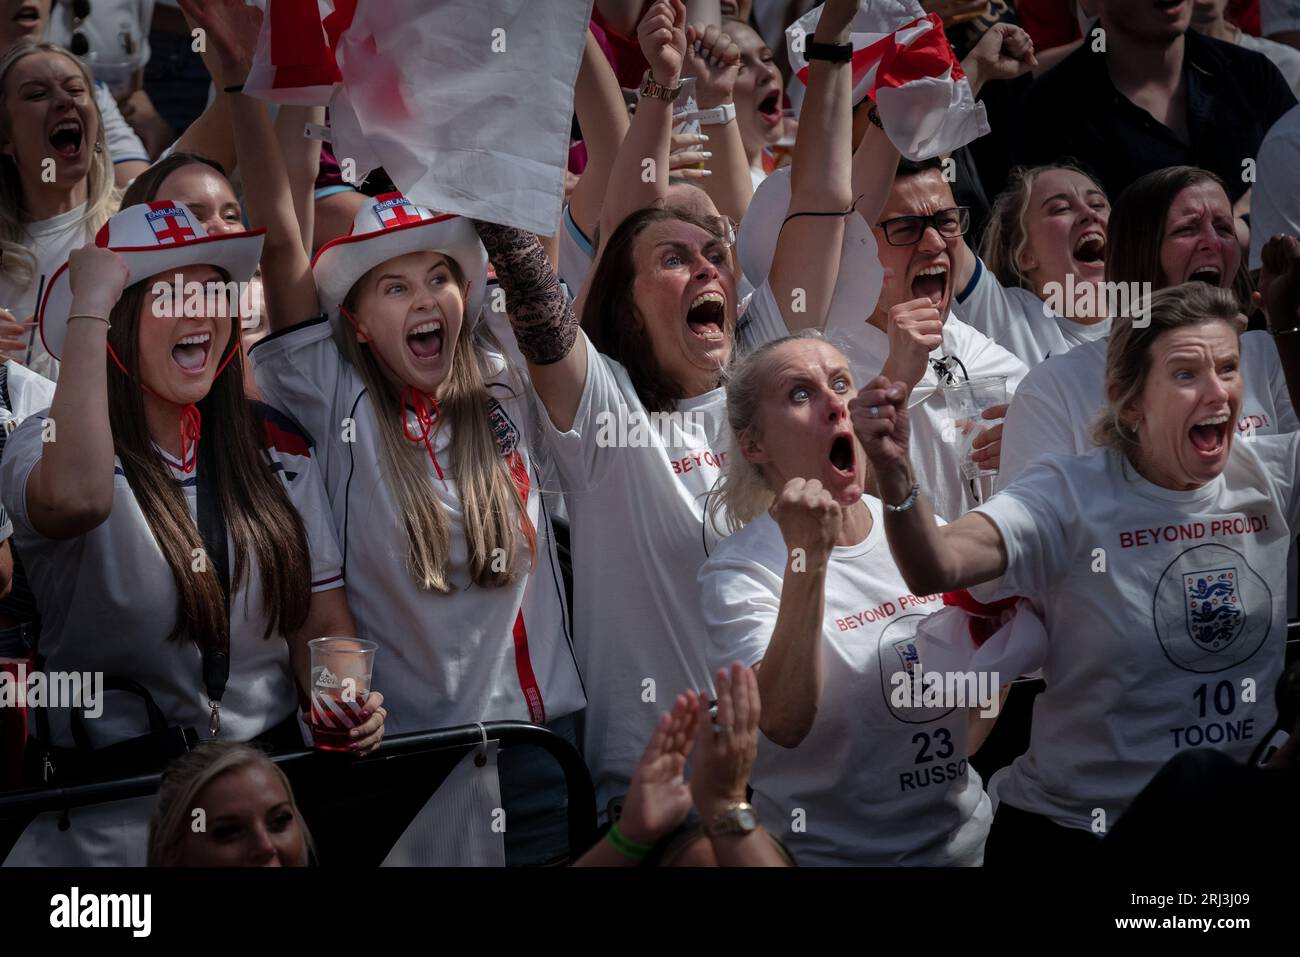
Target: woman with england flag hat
x=178, y=537
x=427, y=450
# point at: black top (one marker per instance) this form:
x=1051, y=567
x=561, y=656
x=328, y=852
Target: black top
x=1233, y=96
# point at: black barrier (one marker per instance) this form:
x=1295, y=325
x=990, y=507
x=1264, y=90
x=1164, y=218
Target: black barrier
x=357, y=807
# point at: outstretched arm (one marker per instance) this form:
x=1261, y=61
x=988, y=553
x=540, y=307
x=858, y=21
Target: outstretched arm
x=602, y=115
x=289, y=288
x=640, y=174
x=931, y=558
x=544, y=323
x=807, y=257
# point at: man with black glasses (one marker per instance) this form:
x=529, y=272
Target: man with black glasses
x=913, y=336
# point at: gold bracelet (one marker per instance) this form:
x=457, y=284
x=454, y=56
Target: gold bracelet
x=89, y=315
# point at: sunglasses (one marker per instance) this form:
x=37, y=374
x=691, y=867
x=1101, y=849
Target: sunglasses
x=908, y=230
x=80, y=12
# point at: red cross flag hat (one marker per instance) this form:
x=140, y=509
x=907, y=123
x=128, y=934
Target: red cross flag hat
x=388, y=226
x=152, y=238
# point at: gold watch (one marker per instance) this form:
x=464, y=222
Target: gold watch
x=652, y=87
x=738, y=817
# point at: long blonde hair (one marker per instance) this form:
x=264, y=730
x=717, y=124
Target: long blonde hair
x=742, y=489
x=1006, y=237
x=494, y=511
x=183, y=782
x=17, y=264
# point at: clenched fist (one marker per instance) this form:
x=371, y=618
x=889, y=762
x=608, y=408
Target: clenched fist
x=809, y=518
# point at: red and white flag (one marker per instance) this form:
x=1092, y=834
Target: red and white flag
x=903, y=61
x=466, y=105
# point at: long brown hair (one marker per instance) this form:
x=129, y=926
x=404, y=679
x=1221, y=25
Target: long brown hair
x=493, y=508
x=258, y=514
x=610, y=315
x=1137, y=229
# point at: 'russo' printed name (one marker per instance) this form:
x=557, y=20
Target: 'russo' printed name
x=1191, y=531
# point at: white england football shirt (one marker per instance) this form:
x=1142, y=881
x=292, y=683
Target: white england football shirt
x=443, y=659
x=108, y=602
x=1018, y=320
x=636, y=489
x=873, y=783
x=1058, y=401
x=1165, y=612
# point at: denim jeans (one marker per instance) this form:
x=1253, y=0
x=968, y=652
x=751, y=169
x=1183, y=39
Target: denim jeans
x=175, y=79
x=536, y=801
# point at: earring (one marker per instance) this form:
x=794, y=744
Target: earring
x=99, y=147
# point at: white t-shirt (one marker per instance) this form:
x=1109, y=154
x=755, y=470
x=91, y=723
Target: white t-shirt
x=50, y=241
x=935, y=461
x=1059, y=400
x=575, y=253
x=1018, y=320
x=635, y=488
x=116, y=30
x=1275, y=197
x=123, y=144
x=114, y=582
x=28, y=393
x=756, y=176
x=443, y=659
x=1285, y=58
x=878, y=784
x=1149, y=656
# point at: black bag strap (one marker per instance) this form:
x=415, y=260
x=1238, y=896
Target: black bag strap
x=212, y=527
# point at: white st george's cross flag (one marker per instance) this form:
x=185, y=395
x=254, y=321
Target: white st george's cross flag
x=466, y=104
x=903, y=61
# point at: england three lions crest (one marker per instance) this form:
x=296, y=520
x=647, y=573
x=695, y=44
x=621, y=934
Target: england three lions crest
x=1214, y=609
x=503, y=430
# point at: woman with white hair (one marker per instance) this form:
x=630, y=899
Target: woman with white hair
x=805, y=592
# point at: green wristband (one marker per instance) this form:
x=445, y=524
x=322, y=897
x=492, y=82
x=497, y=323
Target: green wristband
x=625, y=846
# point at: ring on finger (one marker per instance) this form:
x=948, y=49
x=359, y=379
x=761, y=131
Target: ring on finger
x=873, y=411
x=722, y=729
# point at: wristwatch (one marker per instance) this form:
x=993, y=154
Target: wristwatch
x=653, y=87
x=718, y=116
x=737, y=818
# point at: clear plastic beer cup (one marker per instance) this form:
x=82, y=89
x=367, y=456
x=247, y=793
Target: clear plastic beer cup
x=340, y=681
x=967, y=402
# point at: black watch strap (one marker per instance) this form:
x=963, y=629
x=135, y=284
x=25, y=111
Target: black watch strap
x=834, y=52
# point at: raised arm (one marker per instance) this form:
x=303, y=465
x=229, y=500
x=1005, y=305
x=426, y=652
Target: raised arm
x=70, y=491
x=640, y=174
x=807, y=256
x=931, y=558
x=791, y=676
x=544, y=323
x=286, y=270
x=302, y=161
x=602, y=116
x=714, y=60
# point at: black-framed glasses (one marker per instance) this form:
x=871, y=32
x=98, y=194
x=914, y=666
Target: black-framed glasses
x=908, y=230
x=78, y=43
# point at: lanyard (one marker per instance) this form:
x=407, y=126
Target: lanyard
x=212, y=528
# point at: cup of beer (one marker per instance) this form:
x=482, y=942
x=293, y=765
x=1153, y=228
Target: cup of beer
x=340, y=682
